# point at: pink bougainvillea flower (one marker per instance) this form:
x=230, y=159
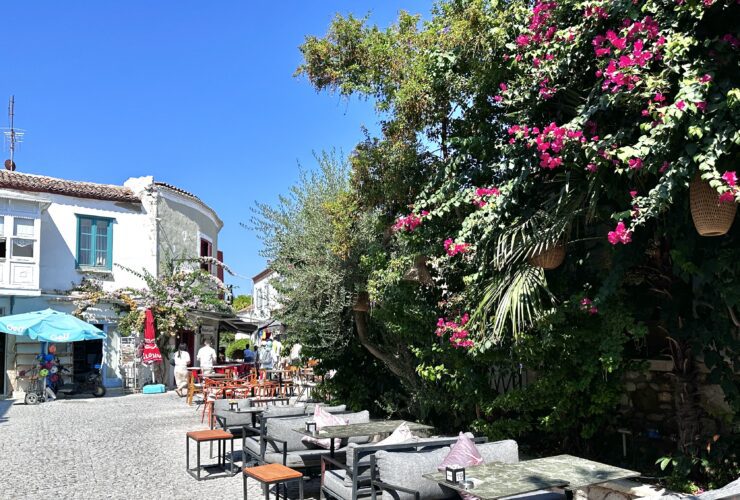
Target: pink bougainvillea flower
x=701, y=106
x=453, y=248
x=586, y=301
x=633, y=194
x=664, y=167
x=727, y=197
x=680, y=105
x=503, y=87
x=659, y=97
x=459, y=336
x=409, y=222
x=498, y=98
x=591, y=167
x=730, y=178
x=635, y=163
x=706, y=78
x=620, y=235
x=593, y=310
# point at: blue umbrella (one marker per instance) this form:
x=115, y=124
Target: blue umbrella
x=50, y=326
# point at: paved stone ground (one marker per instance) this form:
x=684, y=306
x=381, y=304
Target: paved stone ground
x=119, y=446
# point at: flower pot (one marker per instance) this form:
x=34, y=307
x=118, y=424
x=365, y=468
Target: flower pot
x=711, y=216
x=362, y=304
x=418, y=272
x=549, y=258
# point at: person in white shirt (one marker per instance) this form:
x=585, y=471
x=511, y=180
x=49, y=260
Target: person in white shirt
x=182, y=360
x=206, y=357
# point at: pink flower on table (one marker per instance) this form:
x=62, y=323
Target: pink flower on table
x=680, y=105
x=730, y=178
x=727, y=197
x=635, y=163
x=620, y=235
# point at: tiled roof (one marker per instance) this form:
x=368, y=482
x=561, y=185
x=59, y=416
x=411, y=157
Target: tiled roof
x=177, y=190
x=43, y=184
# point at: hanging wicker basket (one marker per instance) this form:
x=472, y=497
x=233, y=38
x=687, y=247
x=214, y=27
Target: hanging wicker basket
x=711, y=216
x=549, y=258
x=362, y=303
x=418, y=272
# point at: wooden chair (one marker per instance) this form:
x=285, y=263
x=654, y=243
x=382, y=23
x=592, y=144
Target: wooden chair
x=195, y=386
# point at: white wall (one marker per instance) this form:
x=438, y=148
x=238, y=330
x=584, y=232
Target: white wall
x=265, y=297
x=134, y=242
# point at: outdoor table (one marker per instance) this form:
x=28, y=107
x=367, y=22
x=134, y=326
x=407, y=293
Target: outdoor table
x=273, y=474
x=209, y=436
x=371, y=428
x=497, y=480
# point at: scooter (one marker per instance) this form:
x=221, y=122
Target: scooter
x=91, y=384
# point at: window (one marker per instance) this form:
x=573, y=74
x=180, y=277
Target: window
x=206, y=250
x=94, y=242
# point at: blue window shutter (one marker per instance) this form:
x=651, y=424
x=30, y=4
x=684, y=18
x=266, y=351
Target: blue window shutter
x=77, y=253
x=109, y=258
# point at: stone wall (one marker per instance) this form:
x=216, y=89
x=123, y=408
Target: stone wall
x=648, y=402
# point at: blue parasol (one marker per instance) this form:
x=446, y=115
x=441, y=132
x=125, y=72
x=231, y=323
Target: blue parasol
x=50, y=326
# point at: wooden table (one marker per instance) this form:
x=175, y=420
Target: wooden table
x=497, y=480
x=273, y=474
x=209, y=436
x=371, y=428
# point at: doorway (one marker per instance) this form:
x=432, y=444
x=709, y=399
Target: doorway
x=87, y=354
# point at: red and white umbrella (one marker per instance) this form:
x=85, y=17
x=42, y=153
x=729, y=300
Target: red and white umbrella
x=151, y=354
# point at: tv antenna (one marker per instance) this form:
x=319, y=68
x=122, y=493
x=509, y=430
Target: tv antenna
x=13, y=136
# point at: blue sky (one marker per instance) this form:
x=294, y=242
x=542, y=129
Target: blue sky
x=198, y=94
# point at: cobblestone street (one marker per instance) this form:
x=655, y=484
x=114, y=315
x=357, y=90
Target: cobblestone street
x=120, y=446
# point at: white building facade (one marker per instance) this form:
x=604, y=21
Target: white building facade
x=56, y=234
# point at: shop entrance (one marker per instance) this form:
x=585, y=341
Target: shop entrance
x=87, y=354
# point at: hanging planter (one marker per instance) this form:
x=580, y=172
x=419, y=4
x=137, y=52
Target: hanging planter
x=550, y=258
x=711, y=216
x=418, y=272
x=362, y=304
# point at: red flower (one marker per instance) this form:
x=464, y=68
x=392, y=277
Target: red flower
x=730, y=178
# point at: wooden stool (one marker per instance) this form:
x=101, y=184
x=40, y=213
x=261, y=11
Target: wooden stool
x=273, y=474
x=209, y=436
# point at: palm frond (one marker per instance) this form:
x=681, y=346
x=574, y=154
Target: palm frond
x=515, y=300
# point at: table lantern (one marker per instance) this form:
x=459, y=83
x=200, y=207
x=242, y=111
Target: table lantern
x=454, y=474
x=311, y=427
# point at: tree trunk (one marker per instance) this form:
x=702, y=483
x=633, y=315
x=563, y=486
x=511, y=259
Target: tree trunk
x=395, y=363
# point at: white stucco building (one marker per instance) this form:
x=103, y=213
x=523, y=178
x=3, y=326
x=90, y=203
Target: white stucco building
x=265, y=302
x=55, y=233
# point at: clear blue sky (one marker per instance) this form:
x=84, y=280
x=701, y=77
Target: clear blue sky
x=198, y=94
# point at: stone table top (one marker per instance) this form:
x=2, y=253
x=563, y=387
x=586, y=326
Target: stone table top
x=364, y=429
x=496, y=480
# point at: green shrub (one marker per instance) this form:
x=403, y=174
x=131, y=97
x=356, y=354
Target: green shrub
x=236, y=348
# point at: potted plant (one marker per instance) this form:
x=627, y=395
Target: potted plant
x=549, y=258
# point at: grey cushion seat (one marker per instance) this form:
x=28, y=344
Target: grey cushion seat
x=252, y=443
x=538, y=495
x=406, y=468
x=303, y=458
x=334, y=482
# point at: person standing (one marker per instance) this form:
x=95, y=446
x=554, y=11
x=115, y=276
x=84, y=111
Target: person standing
x=206, y=357
x=265, y=356
x=182, y=360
